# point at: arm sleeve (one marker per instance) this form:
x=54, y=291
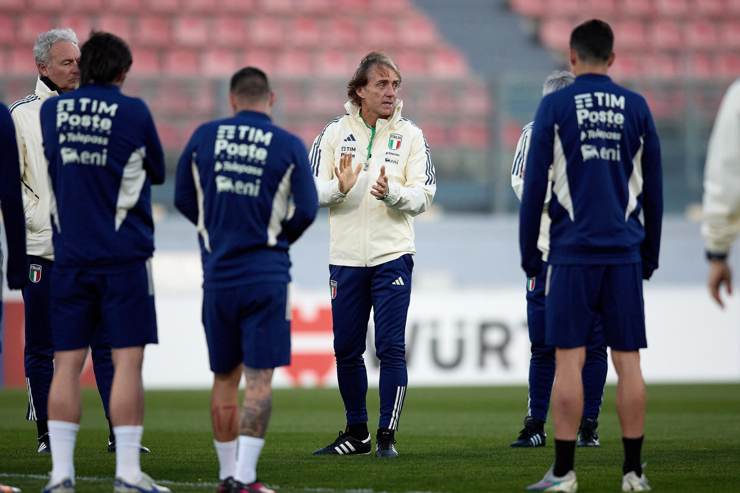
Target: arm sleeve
x=304, y=196
x=416, y=195
x=322, y=166
x=186, y=197
x=520, y=160
x=154, y=159
x=652, y=197
x=722, y=176
x=539, y=158
x=12, y=205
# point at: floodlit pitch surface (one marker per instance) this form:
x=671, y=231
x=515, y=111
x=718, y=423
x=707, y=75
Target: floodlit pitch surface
x=451, y=440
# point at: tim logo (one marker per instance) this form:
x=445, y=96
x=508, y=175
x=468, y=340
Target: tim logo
x=34, y=273
x=226, y=132
x=583, y=101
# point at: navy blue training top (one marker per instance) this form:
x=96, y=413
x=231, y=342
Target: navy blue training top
x=11, y=202
x=247, y=186
x=103, y=153
x=607, y=202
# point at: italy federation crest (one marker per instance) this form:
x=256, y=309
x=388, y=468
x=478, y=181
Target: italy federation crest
x=333, y=288
x=530, y=284
x=34, y=273
x=394, y=142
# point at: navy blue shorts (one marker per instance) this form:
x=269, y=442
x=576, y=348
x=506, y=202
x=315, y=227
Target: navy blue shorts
x=118, y=302
x=247, y=324
x=577, y=296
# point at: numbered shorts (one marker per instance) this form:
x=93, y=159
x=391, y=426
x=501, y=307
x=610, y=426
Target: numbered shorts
x=119, y=302
x=577, y=296
x=247, y=324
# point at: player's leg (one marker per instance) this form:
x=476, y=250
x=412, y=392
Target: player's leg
x=541, y=367
x=594, y=377
x=102, y=360
x=266, y=345
x=39, y=349
x=221, y=308
x=624, y=328
x=350, y=308
x=391, y=295
x=129, y=322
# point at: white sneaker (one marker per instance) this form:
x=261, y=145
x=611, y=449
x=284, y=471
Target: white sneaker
x=145, y=484
x=632, y=482
x=64, y=486
x=550, y=482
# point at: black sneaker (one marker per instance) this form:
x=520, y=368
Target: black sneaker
x=44, y=446
x=346, y=444
x=226, y=486
x=588, y=434
x=386, y=444
x=112, y=447
x=532, y=435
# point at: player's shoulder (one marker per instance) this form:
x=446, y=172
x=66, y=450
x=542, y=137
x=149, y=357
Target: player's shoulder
x=408, y=127
x=526, y=129
x=25, y=105
x=333, y=127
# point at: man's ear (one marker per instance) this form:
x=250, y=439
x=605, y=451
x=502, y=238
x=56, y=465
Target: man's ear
x=611, y=59
x=573, y=58
x=43, y=71
x=233, y=102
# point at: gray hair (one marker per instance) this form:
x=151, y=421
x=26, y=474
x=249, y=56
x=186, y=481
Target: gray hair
x=556, y=81
x=46, y=40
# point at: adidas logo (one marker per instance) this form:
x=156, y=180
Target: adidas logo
x=398, y=282
x=350, y=138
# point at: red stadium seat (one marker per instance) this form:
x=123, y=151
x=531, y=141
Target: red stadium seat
x=728, y=65
x=626, y=66
x=708, y=8
x=568, y=8
x=12, y=5
x=555, y=34
x=80, y=24
x=661, y=65
x=672, y=8
x=333, y=63
x=436, y=136
x=732, y=8
x=353, y=7
x=278, y=6
x=701, y=66
x=701, y=34
x=199, y=6
x=265, y=60
x=46, y=5
x=164, y=6
x=412, y=62
x=181, y=62
x=666, y=34
x=472, y=135
x=447, y=62
x=7, y=29
x=315, y=7
x=475, y=100
x=20, y=61
x=601, y=8
x=190, y=31
x=78, y=6
x=153, y=30
x=266, y=31
x=729, y=34
x=146, y=62
x=629, y=35
x=31, y=25
x=229, y=31
x=418, y=32
x=239, y=6
x=116, y=24
x=530, y=8
x=128, y=6
x=638, y=8
x=294, y=63
x=381, y=33
x=219, y=63
x=304, y=32
x=341, y=31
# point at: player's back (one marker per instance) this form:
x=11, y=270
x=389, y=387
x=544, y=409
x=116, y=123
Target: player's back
x=244, y=169
x=610, y=159
x=103, y=153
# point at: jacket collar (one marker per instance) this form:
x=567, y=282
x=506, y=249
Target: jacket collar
x=354, y=111
x=43, y=91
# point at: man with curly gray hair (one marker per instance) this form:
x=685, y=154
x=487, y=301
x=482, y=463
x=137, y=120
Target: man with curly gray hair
x=57, y=55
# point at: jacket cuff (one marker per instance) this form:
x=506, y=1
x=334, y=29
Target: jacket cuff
x=393, y=195
x=336, y=196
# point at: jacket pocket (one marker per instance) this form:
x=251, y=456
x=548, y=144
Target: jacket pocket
x=31, y=210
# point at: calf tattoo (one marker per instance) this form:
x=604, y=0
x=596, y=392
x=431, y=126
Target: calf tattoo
x=257, y=402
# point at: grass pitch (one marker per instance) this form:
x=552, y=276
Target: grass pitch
x=451, y=440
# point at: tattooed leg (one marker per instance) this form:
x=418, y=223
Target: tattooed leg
x=257, y=402
x=224, y=405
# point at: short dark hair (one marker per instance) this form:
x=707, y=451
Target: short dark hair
x=593, y=41
x=103, y=58
x=361, y=74
x=250, y=84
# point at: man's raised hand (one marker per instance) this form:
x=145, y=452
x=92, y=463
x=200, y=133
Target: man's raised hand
x=380, y=189
x=345, y=174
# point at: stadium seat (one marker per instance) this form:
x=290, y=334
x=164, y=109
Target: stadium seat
x=7, y=29
x=199, y=6
x=353, y=7
x=447, y=63
x=629, y=35
x=701, y=66
x=732, y=8
x=304, y=32
x=164, y=6
x=266, y=31
x=80, y=24
x=260, y=58
x=31, y=25
x=294, y=63
x=661, y=65
x=708, y=8
x=435, y=134
x=568, y=8
x=626, y=66
x=636, y=8
x=181, y=62
x=333, y=63
x=381, y=33
x=701, y=34
x=341, y=32
x=128, y=6
x=49, y=6
x=418, y=32
x=665, y=34
x=12, y=5
x=87, y=6
x=412, y=62
x=475, y=100
x=191, y=30
x=729, y=34
x=314, y=7
x=473, y=135
x=672, y=8
x=153, y=30
x=283, y=7
x=601, y=8
x=19, y=61
x=219, y=63
x=239, y=6
x=116, y=24
x=529, y=8
x=727, y=65
x=146, y=62
x=555, y=34
x=229, y=31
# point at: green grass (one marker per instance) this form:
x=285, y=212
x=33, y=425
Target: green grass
x=451, y=440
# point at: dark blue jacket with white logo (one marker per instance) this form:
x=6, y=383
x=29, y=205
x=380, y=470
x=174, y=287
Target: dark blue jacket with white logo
x=607, y=199
x=247, y=186
x=103, y=153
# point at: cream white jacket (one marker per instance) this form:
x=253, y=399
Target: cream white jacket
x=722, y=176
x=365, y=231
x=34, y=174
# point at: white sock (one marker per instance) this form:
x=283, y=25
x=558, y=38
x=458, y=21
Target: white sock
x=128, y=444
x=249, y=454
x=226, y=452
x=62, y=438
